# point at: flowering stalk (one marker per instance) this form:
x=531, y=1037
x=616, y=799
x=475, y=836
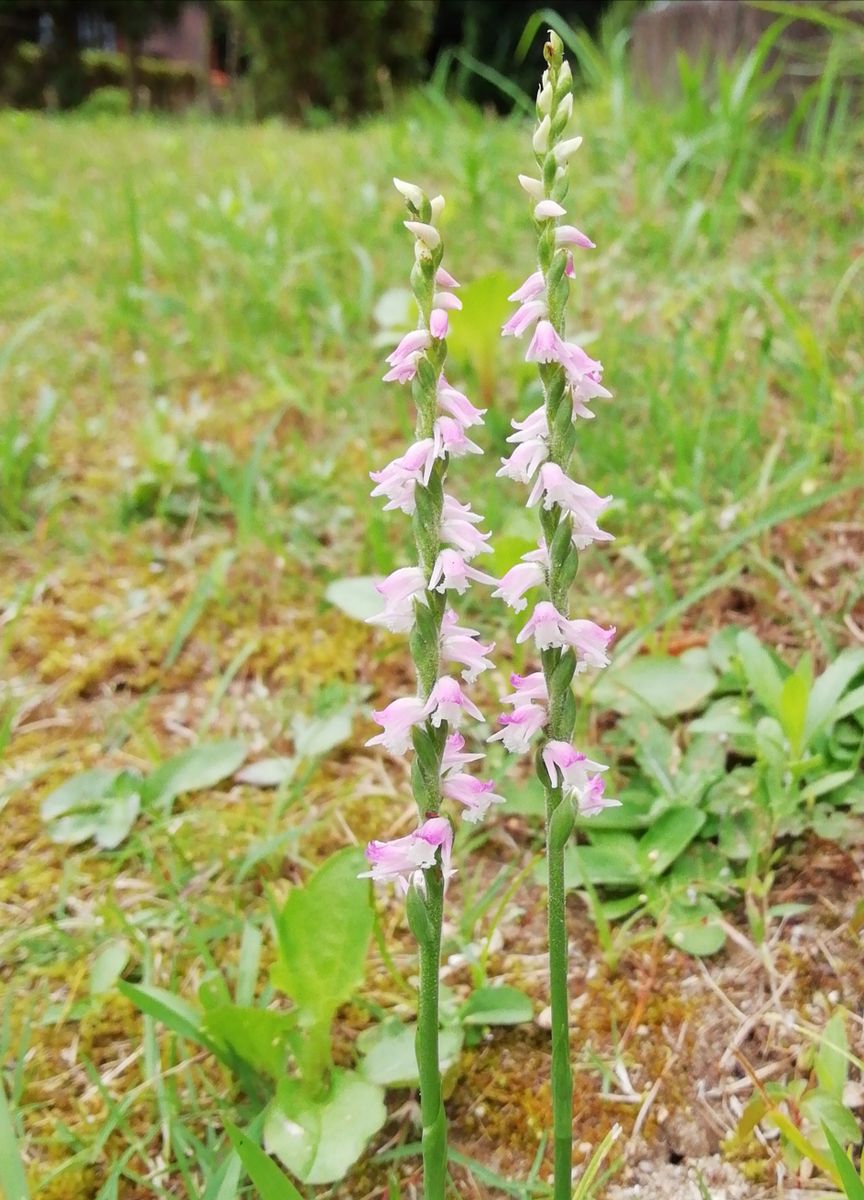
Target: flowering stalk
x=415, y=601
x=543, y=702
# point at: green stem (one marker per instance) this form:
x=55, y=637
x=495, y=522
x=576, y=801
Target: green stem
x=429, y=1067
x=562, y=1077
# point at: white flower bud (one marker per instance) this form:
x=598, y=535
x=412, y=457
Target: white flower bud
x=565, y=76
x=534, y=187
x=546, y=210
x=566, y=107
x=427, y=234
x=412, y=193
x=544, y=99
x=565, y=150
x=437, y=205
x=541, y=136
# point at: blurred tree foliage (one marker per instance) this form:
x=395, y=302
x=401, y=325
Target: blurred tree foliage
x=338, y=55
x=61, y=59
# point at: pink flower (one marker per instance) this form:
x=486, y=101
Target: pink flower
x=583, y=505
x=577, y=362
x=397, y=720
x=399, y=590
x=534, y=426
x=533, y=286
x=405, y=370
x=529, y=688
x=396, y=480
x=569, y=235
x=462, y=536
x=590, y=641
x=517, y=581
x=452, y=571
x=520, y=727
x=446, y=300
x=447, y=702
x=438, y=323
x=449, y=438
x=525, y=460
x=547, y=627
x=445, y=279
x=417, y=339
x=458, y=405
x=567, y=766
x=546, y=210
x=454, y=758
x=461, y=645
x=591, y=800
x=523, y=318
x=475, y=794
x=452, y=509
x=403, y=860
x=546, y=345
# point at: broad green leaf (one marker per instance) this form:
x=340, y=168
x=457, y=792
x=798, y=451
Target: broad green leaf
x=269, y=1181
x=177, y=1014
x=268, y=772
x=356, y=597
x=792, y=710
x=497, y=1006
x=827, y=784
x=669, y=836
x=258, y=1036
x=324, y=930
x=735, y=839
x=315, y=736
x=475, y=339
x=729, y=715
x=394, y=310
x=694, y=928
x=832, y=1056
x=667, y=686
x=638, y=810
x=820, y=1109
x=848, y=1178
x=828, y=689
x=194, y=770
x=763, y=674
x=389, y=1056
x=319, y=1142
x=654, y=749
x=108, y=966
x=117, y=820
x=734, y=793
x=614, y=910
x=611, y=859
x=81, y=791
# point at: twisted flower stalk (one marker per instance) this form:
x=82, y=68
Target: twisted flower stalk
x=447, y=540
x=543, y=702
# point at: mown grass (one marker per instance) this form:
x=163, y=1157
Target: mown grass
x=190, y=406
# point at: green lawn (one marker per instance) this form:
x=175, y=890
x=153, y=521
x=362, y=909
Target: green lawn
x=190, y=402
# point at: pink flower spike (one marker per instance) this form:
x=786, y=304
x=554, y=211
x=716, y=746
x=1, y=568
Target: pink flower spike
x=517, y=581
x=533, y=287
x=520, y=727
x=457, y=405
x=399, y=591
x=445, y=280
x=545, y=345
x=569, y=235
x=447, y=702
x=397, y=720
x=453, y=758
x=403, y=860
x=451, y=571
x=438, y=323
x=591, y=800
x=580, y=501
x=546, y=210
x=567, y=766
x=417, y=339
x=477, y=795
x=523, y=318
